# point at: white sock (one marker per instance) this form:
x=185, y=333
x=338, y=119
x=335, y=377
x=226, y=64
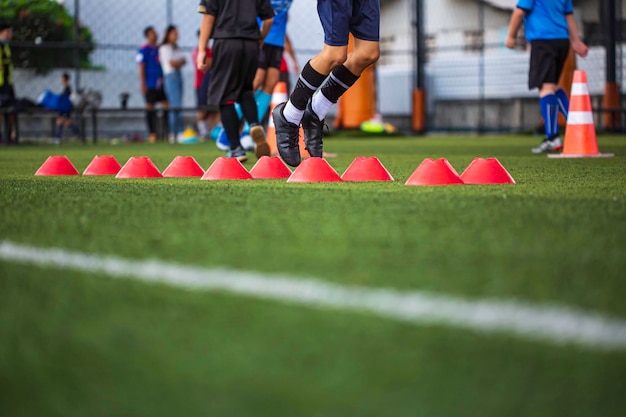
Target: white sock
x=320, y=104
x=293, y=114
x=202, y=129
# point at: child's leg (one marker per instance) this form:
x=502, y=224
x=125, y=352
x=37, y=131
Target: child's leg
x=248, y=108
x=263, y=101
x=343, y=77
x=309, y=81
x=549, y=104
x=59, y=128
x=561, y=95
x=230, y=122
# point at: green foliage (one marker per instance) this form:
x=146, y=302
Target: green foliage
x=50, y=21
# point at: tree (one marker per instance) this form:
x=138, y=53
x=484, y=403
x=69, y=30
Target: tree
x=43, y=35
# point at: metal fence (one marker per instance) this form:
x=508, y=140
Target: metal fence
x=472, y=81
x=475, y=82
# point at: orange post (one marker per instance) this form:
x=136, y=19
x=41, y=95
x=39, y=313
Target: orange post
x=419, y=110
x=611, y=102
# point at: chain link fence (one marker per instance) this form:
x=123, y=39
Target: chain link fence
x=105, y=63
x=472, y=81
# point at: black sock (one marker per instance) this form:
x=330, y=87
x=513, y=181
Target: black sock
x=338, y=83
x=151, y=121
x=308, y=82
x=248, y=108
x=230, y=121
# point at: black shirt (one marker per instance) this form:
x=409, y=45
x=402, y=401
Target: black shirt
x=236, y=19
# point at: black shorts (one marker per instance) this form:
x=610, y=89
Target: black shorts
x=339, y=18
x=547, y=58
x=270, y=56
x=155, y=95
x=235, y=62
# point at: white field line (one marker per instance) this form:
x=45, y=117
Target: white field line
x=558, y=325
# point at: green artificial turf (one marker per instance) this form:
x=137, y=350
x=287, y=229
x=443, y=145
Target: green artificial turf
x=73, y=344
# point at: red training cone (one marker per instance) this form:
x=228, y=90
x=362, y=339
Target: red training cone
x=314, y=170
x=270, y=168
x=103, y=165
x=431, y=172
x=226, y=169
x=366, y=168
x=55, y=166
x=139, y=167
x=486, y=171
x=183, y=166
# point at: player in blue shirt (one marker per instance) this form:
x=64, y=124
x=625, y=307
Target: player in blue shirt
x=328, y=75
x=550, y=28
x=270, y=57
x=151, y=80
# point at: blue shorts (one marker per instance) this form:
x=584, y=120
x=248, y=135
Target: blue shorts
x=341, y=17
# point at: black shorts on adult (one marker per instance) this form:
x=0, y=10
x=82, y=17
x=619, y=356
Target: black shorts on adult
x=547, y=58
x=270, y=56
x=155, y=95
x=234, y=66
x=341, y=17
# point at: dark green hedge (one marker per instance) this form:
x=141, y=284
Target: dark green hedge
x=49, y=21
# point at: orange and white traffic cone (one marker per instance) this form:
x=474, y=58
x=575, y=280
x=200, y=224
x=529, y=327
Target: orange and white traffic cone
x=580, y=133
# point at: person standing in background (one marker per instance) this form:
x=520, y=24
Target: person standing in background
x=7, y=90
x=551, y=29
x=65, y=109
x=206, y=117
x=270, y=57
x=151, y=80
x=235, y=60
x=172, y=60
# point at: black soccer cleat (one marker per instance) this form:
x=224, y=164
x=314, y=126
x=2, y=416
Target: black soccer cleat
x=287, y=135
x=313, y=132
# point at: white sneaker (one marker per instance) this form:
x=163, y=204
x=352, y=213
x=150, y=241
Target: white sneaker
x=548, y=145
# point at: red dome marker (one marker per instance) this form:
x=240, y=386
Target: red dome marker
x=314, y=170
x=486, y=171
x=431, y=172
x=183, y=166
x=103, y=165
x=139, y=167
x=56, y=166
x=226, y=169
x=270, y=168
x=366, y=168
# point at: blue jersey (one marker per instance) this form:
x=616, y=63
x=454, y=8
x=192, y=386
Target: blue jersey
x=545, y=19
x=276, y=35
x=148, y=55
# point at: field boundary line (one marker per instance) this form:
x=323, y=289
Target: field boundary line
x=552, y=324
